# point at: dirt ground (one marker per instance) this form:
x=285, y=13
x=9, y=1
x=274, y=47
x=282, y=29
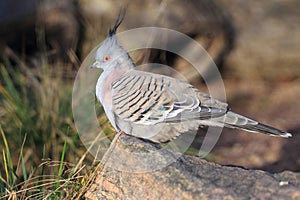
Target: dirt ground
x=262, y=81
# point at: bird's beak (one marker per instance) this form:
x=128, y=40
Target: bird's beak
x=96, y=64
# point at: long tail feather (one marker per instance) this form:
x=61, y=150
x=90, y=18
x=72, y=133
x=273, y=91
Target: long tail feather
x=233, y=120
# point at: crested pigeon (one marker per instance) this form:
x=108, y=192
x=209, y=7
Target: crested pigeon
x=157, y=107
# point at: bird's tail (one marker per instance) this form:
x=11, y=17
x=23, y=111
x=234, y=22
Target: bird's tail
x=233, y=120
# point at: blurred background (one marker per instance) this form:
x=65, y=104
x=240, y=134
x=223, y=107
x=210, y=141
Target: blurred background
x=255, y=44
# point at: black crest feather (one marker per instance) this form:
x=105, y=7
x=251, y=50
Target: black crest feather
x=119, y=20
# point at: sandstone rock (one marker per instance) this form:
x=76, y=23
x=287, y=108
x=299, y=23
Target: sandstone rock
x=188, y=178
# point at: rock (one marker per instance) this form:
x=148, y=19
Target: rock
x=188, y=177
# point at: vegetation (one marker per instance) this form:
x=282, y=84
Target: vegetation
x=41, y=154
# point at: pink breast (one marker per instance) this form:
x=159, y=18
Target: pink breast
x=107, y=84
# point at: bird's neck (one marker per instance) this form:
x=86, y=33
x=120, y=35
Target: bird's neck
x=121, y=66
x=125, y=62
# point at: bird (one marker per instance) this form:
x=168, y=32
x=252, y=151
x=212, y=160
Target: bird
x=156, y=107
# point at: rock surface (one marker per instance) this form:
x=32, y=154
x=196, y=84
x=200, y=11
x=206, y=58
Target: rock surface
x=189, y=177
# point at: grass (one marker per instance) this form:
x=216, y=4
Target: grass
x=69, y=182
x=41, y=154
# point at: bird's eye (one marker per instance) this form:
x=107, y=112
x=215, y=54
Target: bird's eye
x=106, y=58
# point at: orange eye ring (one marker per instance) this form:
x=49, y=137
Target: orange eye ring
x=106, y=58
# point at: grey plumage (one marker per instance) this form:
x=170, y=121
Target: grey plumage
x=156, y=107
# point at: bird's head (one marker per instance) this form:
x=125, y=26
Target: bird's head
x=110, y=54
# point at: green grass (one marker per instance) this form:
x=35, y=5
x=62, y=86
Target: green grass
x=41, y=154
x=68, y=182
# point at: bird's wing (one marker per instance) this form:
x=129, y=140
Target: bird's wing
x=146, y=98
